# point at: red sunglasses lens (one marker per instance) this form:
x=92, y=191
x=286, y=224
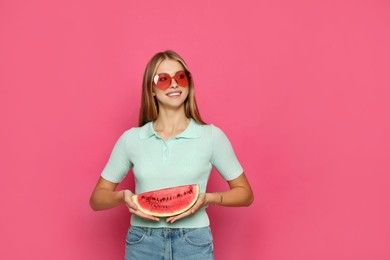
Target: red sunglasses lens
x=181, y=78
x=163, y=81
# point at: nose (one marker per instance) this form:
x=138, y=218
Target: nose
x=174, y=84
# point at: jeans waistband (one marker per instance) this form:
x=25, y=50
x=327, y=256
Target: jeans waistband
x=166, y=230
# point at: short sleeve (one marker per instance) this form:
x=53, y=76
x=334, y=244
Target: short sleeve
x=118, y=164
x=223, y=157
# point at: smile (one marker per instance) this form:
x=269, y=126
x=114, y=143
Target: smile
x=174, y=94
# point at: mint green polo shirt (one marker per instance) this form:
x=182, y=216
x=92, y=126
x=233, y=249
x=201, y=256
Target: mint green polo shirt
x=187, y=158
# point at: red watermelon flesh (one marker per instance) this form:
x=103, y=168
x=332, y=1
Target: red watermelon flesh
x=167, y=202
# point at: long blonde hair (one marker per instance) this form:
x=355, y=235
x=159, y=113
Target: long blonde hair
x=149, y=104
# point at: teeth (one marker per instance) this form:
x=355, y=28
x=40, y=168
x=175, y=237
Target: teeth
x=173, y=94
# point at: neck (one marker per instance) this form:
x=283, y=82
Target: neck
x=171, y=120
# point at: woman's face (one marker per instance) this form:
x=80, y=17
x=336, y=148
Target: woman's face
x=174, y=95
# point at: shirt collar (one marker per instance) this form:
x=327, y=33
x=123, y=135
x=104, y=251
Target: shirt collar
x=193, y=130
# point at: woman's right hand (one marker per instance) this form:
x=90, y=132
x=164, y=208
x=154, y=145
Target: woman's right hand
x=133, y=207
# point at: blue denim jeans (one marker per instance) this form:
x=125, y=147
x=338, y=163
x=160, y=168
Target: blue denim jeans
x=169, y=243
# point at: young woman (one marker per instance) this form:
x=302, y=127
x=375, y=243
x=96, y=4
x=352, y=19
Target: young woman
x=171, y=147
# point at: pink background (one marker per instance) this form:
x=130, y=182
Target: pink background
x=300, y=87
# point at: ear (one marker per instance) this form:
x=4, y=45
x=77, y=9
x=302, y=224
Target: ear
x=154, y=94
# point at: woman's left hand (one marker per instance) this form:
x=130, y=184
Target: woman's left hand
x=201, y=202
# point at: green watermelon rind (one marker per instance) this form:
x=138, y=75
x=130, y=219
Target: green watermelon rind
x=161, y=214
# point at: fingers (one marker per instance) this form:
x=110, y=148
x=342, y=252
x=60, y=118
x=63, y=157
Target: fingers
x=193, y=210
x=133, y=208
x=129, y=202
x=174, y=218
x=143, y=215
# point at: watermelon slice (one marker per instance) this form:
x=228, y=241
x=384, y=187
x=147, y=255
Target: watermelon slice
x=167, y=202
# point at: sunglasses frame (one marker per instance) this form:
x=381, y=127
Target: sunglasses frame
x=170, y=78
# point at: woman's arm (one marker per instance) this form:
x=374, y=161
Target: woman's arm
x=104, y=197
x=240, y=194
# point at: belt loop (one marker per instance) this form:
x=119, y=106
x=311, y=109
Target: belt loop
x=181, y=232
x=148, y=231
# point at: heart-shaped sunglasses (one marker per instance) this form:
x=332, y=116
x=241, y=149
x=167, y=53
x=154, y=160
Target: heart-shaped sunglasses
x=163, y=80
